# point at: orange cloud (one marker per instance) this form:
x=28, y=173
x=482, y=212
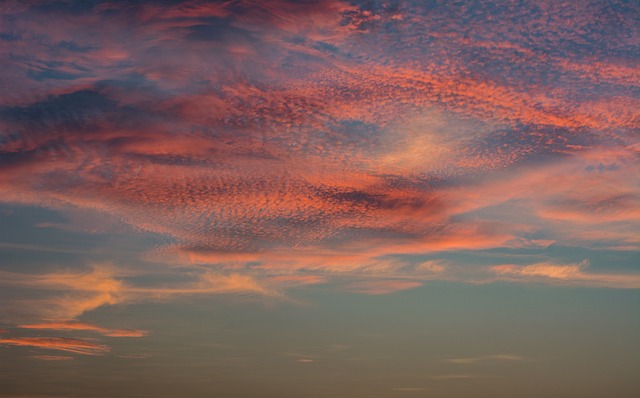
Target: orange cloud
x=51, y=357
x=80, y=326
x=566, y=274
x=84, y=291
x=297, y=280
x=588, y=198
x=75, y=346
x=207, y=283
x=67, y=295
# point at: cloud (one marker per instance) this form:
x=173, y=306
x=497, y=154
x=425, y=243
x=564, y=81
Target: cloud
x=72, y=293
x=376, y=287
x=587, y=199
x=75, y=346
x=565, y=274
x=211, y=283
x=275, y=144
x=80, y=326
x=65, y=295
x=51, y=357
x=496, y=357
x=297, y=280
x=434, y=266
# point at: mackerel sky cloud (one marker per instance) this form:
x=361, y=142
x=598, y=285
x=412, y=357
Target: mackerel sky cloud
x=156, y=156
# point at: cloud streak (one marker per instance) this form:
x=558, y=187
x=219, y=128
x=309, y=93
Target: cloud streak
x=565, y=274
x=75, y=346
x=80, y=326
x=67, y=295
x=496, y=357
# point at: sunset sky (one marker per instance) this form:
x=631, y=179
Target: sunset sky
x=358, y=199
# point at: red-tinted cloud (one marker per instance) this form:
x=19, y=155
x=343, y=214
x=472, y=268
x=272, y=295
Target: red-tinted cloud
x=277, y=144
x=80, y=326
x=75, y=346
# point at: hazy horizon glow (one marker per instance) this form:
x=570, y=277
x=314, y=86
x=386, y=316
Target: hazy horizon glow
x=319, y=198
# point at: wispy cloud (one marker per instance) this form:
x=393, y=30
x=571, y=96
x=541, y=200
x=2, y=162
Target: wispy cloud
x=134, y=356
x=567, y=274
x=382, y=286
x=495, y=357
x=75, y=346
x=51, y=357
x=81, y=291
x=80, y=326
x=66, y=295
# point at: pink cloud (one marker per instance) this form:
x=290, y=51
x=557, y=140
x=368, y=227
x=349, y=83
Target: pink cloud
x=565, y=274
x=81, y=326
x=75, y=346
x=281, y=144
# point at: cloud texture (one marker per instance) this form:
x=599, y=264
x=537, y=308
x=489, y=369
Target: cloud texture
x=277, y=144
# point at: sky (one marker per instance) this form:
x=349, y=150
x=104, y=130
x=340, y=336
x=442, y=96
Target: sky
x=365, y=198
